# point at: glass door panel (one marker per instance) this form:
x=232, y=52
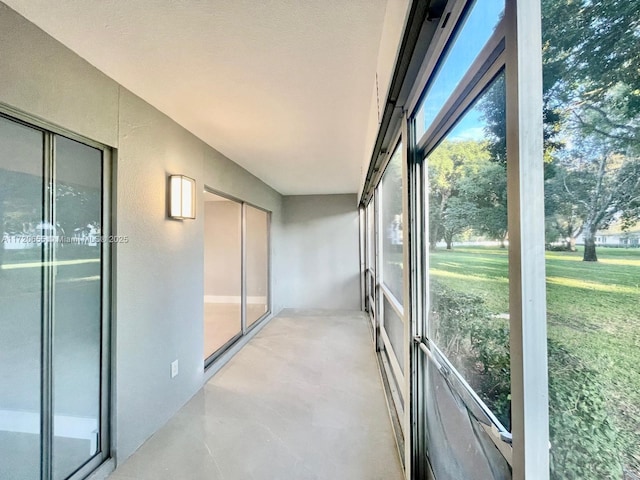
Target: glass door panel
x=222, y=272
x=21, y=213
x=257, y=263
x=77, y=325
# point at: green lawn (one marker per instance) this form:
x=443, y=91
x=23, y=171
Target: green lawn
x=592, y=310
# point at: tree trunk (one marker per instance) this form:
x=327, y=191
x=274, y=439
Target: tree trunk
x=590, y=246
x=503, y=240
x=434, y=233
x=449, y=243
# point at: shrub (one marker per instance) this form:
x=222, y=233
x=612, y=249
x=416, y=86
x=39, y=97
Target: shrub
x=476, y=342
x=584, y=437
x=490, y=341
x=452, y=313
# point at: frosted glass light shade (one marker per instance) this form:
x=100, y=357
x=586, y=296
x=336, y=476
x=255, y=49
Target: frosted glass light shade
x=182, y=197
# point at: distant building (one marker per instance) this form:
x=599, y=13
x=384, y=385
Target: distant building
x=614, y=236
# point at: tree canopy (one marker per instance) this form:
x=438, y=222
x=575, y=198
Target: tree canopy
x=591, y=56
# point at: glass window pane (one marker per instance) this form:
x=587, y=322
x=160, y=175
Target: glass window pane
x=371, y=229
x=394, y=328
x=257, y=263
x=391, y=225
x=592, y=210
x=370, y=258
x=468, y=258
x=471, y=37
x=458, y=446
x=21, y=167
x=77, y=325
x=222, y=271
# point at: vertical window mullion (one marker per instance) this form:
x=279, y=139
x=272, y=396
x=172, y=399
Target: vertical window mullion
x=411, y=305
x=105, y=354
x=269, y=267
x=414, y=232
x=378, y=275
x=243, y=268
x=527, y=296
x=46, y=402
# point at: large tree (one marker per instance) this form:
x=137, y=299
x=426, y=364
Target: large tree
x=591, y=54
x=563, y=216
x=451, y=165
x=487, y=191
x=601, y=186
x=457, y=218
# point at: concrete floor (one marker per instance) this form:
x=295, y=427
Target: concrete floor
x=303, y=400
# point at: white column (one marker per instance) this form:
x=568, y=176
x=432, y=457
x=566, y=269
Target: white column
x=529, y=388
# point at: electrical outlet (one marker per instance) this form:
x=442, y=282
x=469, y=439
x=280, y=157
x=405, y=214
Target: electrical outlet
x=174, y=368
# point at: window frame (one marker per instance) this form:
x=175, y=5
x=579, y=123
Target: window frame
x=390, y=359
x=487, y=66
x=526, y=449
x=517, y=49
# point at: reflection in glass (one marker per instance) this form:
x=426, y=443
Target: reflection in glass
x=257, y=263
x=468, y=261
x=20, y=299
x=222, y=271
x=77, y=305
x=391, y=225
x=469, y=40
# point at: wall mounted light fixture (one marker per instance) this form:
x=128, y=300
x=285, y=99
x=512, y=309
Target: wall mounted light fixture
x=182, y=197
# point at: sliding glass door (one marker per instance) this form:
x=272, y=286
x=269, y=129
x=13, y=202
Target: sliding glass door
x=53, y=298
x=236, y=271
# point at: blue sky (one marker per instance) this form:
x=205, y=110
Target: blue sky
x=472, y=37
x=470, y=127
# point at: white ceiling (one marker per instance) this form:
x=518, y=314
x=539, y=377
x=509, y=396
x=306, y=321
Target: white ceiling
x=282, y=87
